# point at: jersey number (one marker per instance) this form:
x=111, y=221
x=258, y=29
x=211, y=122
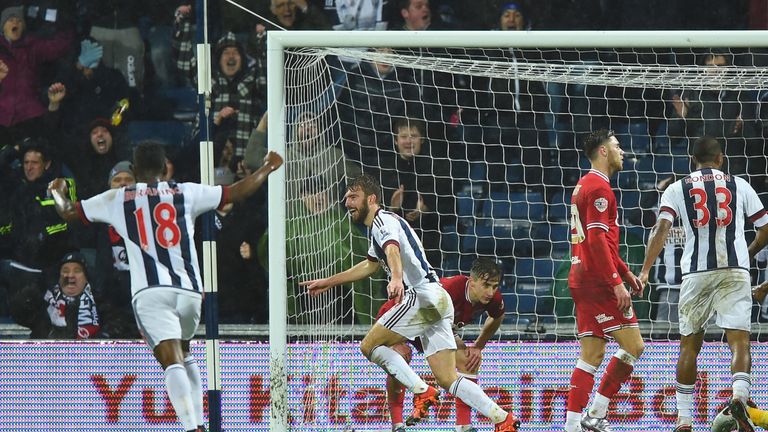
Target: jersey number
x=577, y=231
x=723, y=197
x=165, y=218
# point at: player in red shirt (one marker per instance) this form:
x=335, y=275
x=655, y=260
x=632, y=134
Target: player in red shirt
x=596, y=280
x=471, y=296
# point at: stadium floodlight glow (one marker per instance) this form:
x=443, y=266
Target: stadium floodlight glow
x=587, y=79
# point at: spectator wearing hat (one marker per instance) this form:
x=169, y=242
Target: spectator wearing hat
x=239, y=93
x=67, y=310
x=93, y=90
x=21, y=59
x=112, y=271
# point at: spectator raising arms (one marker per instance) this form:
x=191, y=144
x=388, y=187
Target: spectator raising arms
x=21, y=58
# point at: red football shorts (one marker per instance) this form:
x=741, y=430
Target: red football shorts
x=597, y=314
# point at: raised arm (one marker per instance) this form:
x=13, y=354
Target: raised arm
x=64, y=207
x=247, y=186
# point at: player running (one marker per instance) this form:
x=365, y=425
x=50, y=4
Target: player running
x=715, y=265
x=596, y=280
x=471, y=296
x=423, y=308
x=157, y=218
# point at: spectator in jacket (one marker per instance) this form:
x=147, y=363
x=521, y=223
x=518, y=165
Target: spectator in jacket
x=92, y=91
x=238, y=91
x=418, y=186
x=67, y=310
x=21, y=59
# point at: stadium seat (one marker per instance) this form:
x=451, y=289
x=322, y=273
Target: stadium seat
x=515, y=205
x=465, y=206
x=661, y=138
x=184, y=102
x=172, y=133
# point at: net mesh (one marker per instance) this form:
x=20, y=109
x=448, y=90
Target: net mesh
x=479, y=150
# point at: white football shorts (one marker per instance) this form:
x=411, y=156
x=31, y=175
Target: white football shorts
x=426, y=312
x=166, y=312
x=725, y=292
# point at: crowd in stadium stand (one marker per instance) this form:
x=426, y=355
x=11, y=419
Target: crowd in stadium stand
x=477, y=165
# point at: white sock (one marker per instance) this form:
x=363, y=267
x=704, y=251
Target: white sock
x=475, y=397
x=394, y=364
x=196, y=388
x=572, y=421
x=178, y=388
x=684, y=395
x=741, y=385
x=599, y=408
x=462, y=428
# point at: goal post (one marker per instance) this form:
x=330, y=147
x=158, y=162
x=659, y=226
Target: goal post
x=312, y=46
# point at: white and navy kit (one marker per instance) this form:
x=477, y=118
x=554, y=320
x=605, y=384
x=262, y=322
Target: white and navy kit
x=157, y=222
x=668, y=271
x=713, y=207
x=426, y=309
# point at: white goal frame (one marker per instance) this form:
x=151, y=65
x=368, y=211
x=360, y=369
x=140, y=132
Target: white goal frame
x=278, y=41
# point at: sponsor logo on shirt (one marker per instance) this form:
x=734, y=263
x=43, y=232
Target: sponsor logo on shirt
x=603, y=318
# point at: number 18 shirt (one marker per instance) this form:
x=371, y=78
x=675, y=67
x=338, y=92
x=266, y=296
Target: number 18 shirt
x=712, y=206
x=157, y=222
x=593, y=207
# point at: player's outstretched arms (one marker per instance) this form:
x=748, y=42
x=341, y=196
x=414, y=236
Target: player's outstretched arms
x=64, y=207
x=361, y=270
x=246, y=187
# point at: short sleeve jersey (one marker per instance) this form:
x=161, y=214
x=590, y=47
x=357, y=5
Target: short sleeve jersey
x=388, y=228
x=157, y=222
x=712, y=207
x=593, y=207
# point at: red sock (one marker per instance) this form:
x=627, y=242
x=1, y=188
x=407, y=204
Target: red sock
x=615, y=374
x=464, y=411
x=581, y=386
x=395, y=399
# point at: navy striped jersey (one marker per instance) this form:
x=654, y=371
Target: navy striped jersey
x=712, y=207
x=668, y=269
x=157, y=222
x=388, y=228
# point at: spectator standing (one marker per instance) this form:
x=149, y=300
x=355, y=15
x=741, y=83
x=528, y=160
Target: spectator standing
x=21, y=59
x=93, y=90
x=238, y=91
x=115, y=24
x=417, y=185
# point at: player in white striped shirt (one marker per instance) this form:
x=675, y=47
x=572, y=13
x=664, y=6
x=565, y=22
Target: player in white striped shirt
x=424, y=309
x=712, y=206
x=156, y=219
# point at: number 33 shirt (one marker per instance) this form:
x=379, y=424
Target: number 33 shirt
x=712, y=207
x=157, y=222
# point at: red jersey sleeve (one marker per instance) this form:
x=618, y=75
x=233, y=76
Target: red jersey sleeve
x=598, y=204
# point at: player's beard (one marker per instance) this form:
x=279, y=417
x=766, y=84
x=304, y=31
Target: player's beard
x=361, y=214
